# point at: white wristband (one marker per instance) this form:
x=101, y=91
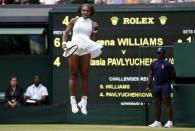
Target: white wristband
x=95, y=31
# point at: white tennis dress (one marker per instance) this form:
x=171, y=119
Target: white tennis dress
x=82, y=31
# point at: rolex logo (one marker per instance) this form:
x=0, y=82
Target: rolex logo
x=114, y=20
x=163, y=20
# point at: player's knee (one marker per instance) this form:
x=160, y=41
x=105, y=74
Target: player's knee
x=167, y=102
x=73, y=75
x=84, y=77
x=157, y=102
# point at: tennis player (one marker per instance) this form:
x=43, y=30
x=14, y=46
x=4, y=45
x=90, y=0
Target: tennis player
x=84, y=34
x=160, y=76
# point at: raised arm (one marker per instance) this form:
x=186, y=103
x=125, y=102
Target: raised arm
x=95, y=31
x=67, y=31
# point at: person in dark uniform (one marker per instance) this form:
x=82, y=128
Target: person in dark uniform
x=160, y=77
x=14, y=94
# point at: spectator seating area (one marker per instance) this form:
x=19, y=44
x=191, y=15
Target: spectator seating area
x=51, y=2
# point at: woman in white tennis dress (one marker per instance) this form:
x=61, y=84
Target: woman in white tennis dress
x=84, y=33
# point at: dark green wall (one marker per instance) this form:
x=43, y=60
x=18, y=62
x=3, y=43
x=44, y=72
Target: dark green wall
x=184, y=105
x=184, y=54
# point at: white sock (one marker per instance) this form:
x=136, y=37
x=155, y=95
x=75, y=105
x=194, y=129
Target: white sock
x=84, y=98
x=72, y=99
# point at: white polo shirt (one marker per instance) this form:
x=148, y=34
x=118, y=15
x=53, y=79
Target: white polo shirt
x=36, y=92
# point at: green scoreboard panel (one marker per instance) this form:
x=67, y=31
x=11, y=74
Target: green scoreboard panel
x=130, y=39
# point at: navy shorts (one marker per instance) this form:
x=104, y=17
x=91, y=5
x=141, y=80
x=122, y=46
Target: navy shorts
x=161, y=90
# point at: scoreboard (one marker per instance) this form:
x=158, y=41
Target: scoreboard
x=130, y=39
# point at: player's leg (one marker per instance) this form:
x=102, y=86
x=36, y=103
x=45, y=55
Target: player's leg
x=84, y=71
x=84, y=66
x=168, y=107
x=157, y=107
x=167, y=104
x=73, y=62
x=156, y=92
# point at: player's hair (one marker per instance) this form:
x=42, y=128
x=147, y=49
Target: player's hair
x=88, y=5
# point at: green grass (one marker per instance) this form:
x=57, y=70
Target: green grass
x=74, y=127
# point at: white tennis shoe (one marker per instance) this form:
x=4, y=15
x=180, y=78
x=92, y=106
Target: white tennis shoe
x=74, y=108
x=74, y=105
x=156, y=124
x=169, y=124
x=83, y=105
